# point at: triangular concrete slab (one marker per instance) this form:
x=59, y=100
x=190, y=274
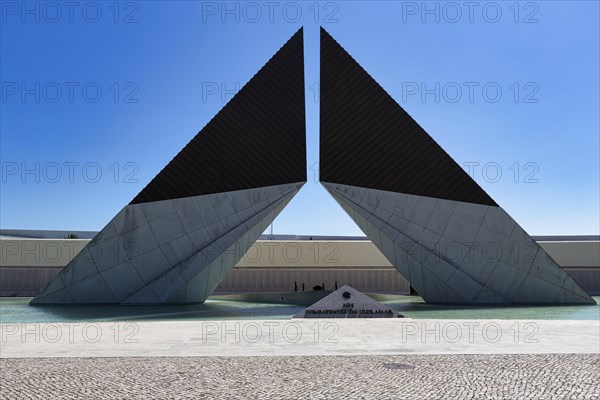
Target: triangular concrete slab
x=440, y=248
x=347, y=302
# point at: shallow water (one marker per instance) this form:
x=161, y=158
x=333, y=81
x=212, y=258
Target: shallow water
x=415, y=307
x=17, y=309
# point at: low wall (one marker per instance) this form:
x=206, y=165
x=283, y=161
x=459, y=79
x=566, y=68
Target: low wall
x=26, y=265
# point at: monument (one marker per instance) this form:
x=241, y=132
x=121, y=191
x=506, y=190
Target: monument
x=434, y=223
x=183, y=233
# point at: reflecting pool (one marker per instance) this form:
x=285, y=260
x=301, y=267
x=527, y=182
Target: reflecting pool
x=17, y=309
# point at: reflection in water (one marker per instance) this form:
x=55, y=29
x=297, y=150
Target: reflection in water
x=420, y=310
x=17, y=309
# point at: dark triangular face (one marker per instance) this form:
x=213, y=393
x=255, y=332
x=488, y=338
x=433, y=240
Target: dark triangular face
x=368, y=140
x=256, y=140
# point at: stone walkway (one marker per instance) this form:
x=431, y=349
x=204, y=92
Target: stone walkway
x=559, y=376
x=297, y=337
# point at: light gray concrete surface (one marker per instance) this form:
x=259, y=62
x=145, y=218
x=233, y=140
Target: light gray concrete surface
x=347, y=302
x=272, y=265
x=297, y=337
x=149, y=246
x=457, y=252
x=568, y=376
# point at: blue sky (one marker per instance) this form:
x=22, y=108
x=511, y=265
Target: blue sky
x=97, y=98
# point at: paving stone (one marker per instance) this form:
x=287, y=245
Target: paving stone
x=515, y=376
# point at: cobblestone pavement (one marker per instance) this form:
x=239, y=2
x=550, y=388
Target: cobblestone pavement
x=566, y=376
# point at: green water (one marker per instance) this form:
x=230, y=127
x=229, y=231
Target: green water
x=415, y=307
x=17, y=309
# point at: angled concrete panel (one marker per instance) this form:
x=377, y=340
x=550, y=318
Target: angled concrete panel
x=92, y=290
x=205, y=270
x=122, y=279
x=150, y=264
x=468, y=261
x=167, y=266
x=60, y=297
x=84, y=267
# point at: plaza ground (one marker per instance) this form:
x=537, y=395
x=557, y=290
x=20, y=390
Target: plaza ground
x=557, y=376
x=222, y=350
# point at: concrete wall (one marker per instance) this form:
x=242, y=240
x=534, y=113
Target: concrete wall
x=26, y=265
